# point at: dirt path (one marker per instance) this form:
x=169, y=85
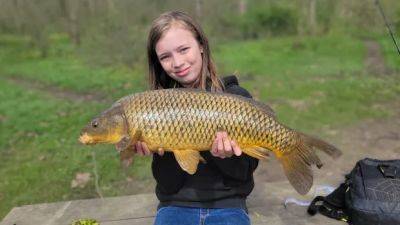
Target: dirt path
x=57, y=92
x=374, y=62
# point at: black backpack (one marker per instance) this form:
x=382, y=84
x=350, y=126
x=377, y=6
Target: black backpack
x=370, y=195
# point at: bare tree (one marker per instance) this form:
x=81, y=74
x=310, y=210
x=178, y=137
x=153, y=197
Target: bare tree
x=312, y=16
x=91, y=5
x=242, y=7
x=199, y=7
x=69, y=9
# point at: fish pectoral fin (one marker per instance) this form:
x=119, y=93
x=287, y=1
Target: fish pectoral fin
x=188, y=160
x=123, y=144
x=126, y=156
x=202, y=159
x=256, y=152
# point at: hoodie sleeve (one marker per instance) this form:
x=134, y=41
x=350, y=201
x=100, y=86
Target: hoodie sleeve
x=237, y=167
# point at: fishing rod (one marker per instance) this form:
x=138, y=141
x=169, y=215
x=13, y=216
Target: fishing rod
x=377, y=2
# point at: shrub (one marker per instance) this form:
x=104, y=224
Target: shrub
x=268, y=21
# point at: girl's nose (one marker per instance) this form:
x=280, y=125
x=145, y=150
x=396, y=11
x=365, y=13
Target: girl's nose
x=177, y=61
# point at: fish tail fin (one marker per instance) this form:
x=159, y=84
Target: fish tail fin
x=317, y=143
x=298, y=159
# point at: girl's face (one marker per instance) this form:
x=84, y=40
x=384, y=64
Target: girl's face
x=179, y=54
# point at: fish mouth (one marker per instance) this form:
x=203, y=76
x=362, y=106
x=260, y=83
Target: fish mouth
x=86, y=139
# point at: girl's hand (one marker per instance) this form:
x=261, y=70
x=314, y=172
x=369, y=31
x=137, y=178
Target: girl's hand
x=224, y=147
x=142, y=149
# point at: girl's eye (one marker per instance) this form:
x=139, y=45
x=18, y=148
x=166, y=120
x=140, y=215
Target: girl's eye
x=183, y=50
x=164, y=58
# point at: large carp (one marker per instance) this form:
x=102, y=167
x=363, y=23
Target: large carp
x=185, y=122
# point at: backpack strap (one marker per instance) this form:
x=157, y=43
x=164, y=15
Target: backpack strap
x=314, y=208
x=232, y=86
x=388, y=171
x=332, y=206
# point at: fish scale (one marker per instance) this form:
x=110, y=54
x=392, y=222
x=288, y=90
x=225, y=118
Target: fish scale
x=185, y=121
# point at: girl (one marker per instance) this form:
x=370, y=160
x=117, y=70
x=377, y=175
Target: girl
x=179, y=57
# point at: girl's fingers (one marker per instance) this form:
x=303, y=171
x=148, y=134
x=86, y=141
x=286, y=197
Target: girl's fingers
x=236, y=148
x=160, y=151
x=135, y=149
x=139, y=149
x=142, y=149
x=214, y=150
x=220, y=144
x=146, y=150
x=227, y=145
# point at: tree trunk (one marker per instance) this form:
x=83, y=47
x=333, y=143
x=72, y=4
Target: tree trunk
x=345, y=9
x=91, y=6
x=111, y=7
x=199, y=4
x=17, y=15
x=312, y=17
x=242, y=7
x=69, y=9
x=302, y=21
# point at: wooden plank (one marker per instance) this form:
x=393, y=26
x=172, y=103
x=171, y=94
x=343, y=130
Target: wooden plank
x=265, y=207
x=107, y=209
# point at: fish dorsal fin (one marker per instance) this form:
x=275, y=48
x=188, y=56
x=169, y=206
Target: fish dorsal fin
x=256, y=152
x=188, y=160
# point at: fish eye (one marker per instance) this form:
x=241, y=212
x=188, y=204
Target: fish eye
x=95, y=124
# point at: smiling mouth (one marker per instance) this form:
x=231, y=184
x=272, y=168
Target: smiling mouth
x=183, y=72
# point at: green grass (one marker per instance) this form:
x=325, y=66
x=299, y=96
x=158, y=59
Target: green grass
x=310, y=82
x=390, y=52
x=66, y=70
x=40, y=153
x=291, y=58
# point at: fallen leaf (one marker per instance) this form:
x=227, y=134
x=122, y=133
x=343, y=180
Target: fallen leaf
x=300, y=105
x=62, y=114
x=81, y=179
x=3, y=118
x=127, y=86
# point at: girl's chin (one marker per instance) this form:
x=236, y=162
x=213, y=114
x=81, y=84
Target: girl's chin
x=188, y=82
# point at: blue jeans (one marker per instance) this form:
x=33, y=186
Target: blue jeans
x=172, y=215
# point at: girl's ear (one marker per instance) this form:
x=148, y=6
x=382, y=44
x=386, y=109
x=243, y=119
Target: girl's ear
x=201, y=49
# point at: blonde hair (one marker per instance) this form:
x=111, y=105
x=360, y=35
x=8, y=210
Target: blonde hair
x=158, y=78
